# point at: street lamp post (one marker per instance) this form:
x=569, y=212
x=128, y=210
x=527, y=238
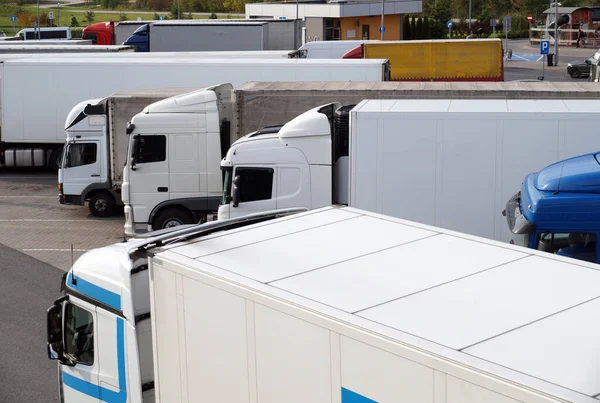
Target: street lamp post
x=469, y=16
x=382, y=16
x=39, y=36
x=296, y=28
x=556, y=38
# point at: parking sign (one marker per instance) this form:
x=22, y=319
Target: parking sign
x=544, y=47
x=13, y=18
x=50, y=15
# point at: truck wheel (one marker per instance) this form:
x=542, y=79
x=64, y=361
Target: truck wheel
x=102, y=204
x=172, y=217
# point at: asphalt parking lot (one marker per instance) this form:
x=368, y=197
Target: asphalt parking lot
x=33, y=222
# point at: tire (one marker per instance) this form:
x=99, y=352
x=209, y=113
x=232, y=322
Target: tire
x=575, y=73
x=172, y=217
x=102, y=204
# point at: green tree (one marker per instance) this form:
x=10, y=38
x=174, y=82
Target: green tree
x=406, y=27
x=89, y=16
x=413, y=29
x=440, y=10
x=426, y=28
x=74, y=22
x=419, y=33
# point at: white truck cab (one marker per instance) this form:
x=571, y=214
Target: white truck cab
x=171, y=174
x=100, y=331
x=299, y=171
x=83, y=167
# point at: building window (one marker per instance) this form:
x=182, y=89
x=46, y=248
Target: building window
x=332, y=30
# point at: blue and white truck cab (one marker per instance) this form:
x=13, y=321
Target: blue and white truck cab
x=100, y=330
x=558, y=208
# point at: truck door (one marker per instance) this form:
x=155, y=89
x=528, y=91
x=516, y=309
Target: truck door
x=256, y=188
x=187, y=167
x=82, y=167
x=149, y=175
x=80, y=382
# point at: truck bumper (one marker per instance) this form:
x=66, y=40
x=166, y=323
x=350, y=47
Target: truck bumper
x=70, y=199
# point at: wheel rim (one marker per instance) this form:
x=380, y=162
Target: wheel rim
x=172, y=222
x=100, y=205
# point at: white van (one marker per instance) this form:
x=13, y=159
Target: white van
x=28, y=34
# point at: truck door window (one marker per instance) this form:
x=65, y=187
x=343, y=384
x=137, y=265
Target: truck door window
x=81, y=154
x=91, y=36
x=152, y=149
x=255, y=183
x=576, y=245
x=79, y=335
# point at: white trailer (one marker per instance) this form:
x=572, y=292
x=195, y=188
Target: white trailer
x=32, y=51
x=336, y=305
x=327, y=49
x=33, y=121
x=449, y=163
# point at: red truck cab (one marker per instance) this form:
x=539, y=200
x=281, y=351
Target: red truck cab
x=101, y=33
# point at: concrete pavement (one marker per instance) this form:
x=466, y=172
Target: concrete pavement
x=27, y=288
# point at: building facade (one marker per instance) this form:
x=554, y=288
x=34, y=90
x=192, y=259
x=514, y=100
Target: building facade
x=340, y=20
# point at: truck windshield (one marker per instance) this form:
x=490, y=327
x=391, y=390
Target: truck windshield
x=227, y=179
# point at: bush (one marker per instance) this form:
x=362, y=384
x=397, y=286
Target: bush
x=74, y=23
x=77, y=32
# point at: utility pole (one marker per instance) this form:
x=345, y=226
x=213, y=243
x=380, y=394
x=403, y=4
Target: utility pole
x=382, y=29
x=58, y=13
x=556, y=38
x=296, y=28
x=178, y=9
x=39, y=34
x=469, y=16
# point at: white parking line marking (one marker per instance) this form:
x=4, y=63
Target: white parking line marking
x=54, y=250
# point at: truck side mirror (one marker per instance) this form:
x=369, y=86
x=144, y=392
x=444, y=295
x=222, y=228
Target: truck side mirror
x=235, y=190
x=55, y=333
x=135, y=149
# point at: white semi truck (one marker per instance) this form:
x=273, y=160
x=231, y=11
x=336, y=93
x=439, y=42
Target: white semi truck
x=33, y=122
x=449, y=163
x=335, y=305
x=96, y=147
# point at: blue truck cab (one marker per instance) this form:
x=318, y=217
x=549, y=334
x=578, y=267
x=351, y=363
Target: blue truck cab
x=558, y=208
x=140, y=39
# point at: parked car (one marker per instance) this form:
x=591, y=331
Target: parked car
x=582, y=68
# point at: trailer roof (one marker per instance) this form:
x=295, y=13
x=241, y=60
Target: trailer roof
x=479, y=105
x=209, y=61
x=519, y=314
x=395, y=89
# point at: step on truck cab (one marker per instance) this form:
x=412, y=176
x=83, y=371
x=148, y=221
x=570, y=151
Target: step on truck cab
x=168, y=178
x=558, y=208
x=335, y=305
